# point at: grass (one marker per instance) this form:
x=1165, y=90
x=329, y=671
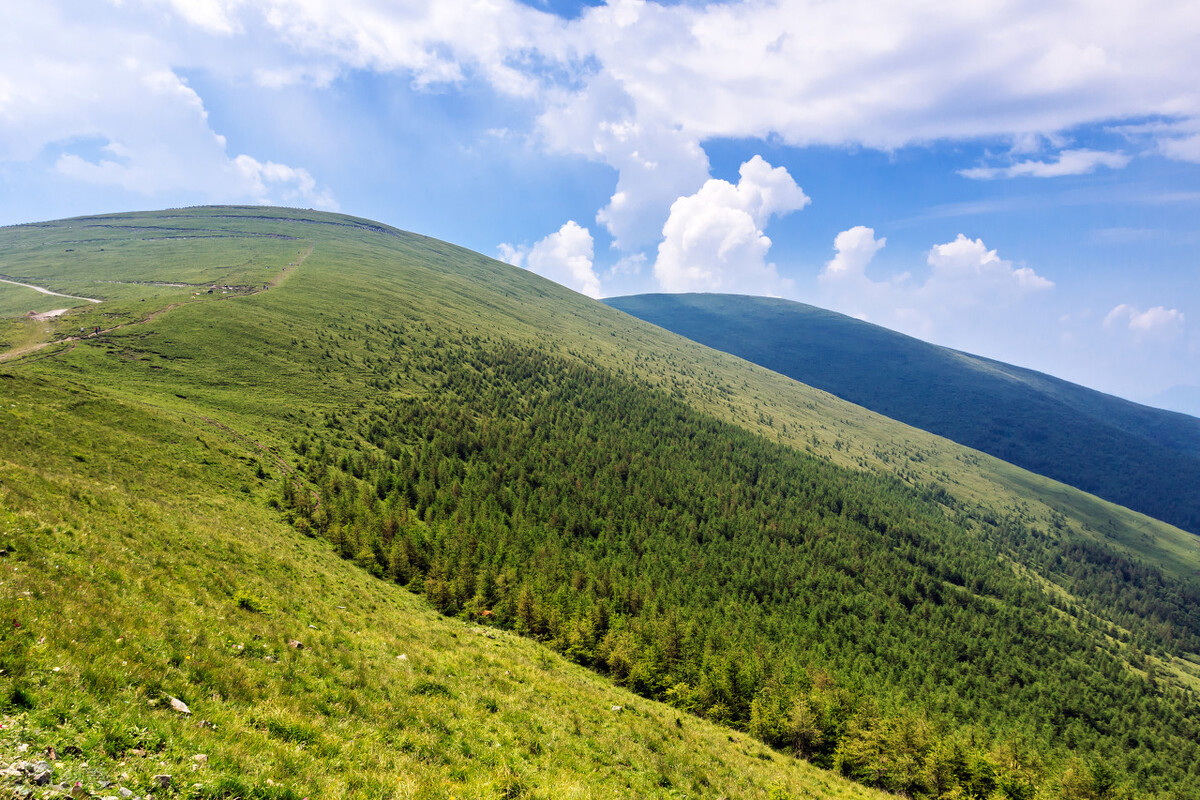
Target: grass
x=143, y=561
x=1137, y=456
x=385, y=699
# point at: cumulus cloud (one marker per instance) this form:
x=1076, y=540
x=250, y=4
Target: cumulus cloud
x=564, y=256
x=1069, y=162
x=855, y=249
x=713, y=240
x=966, y=283
x=1153, y=323
x=105, y=102
x=969, y=264
x=640, y=86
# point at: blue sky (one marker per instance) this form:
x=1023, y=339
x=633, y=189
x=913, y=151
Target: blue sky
x=1017, y=180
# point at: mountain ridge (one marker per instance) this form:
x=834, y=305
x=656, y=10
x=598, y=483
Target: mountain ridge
x=1141, y=457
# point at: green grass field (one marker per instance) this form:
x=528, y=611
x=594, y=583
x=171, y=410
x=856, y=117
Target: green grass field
x=143, y=561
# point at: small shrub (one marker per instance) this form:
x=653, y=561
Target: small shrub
x=426, y=688
x=19, y=698
x=249, y=602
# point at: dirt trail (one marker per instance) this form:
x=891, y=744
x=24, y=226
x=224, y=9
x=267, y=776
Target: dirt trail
x=25, y=350
x=47, y=291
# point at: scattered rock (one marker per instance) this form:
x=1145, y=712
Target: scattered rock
x=295, y=645
x=618, y=709
x=51, y=753
x=179, y=705
x=200, y=758
x=162, y=781
x=137, y=751
x=126, y=793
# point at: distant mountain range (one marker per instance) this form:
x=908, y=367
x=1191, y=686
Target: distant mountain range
x=1144, y=458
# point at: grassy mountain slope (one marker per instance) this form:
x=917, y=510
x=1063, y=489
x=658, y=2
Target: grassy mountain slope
x=1140, y=457
x=758, y=552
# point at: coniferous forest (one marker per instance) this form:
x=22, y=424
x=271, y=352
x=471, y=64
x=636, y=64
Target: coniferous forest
x=864, y=624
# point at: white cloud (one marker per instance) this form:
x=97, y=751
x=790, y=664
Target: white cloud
x=1069, y=162
x=855, y=249
x=969, y=265
x=713, y=240
x=968, y=286
x=641, y=85
x=102, y=101
x=292, y=185
x=1153, y=323
x=1177, y=139
x=564, y=257
x=214, y=16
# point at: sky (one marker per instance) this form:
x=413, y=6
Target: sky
x=1016, y=179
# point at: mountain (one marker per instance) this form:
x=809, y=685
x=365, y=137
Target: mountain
x=390, y=518
x=1140, y=457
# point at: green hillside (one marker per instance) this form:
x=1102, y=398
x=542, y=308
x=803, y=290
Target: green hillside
x=1137, y=456
x=360, y=426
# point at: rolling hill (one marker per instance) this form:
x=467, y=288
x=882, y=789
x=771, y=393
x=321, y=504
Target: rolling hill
x=393, y=519
x=1141, y=457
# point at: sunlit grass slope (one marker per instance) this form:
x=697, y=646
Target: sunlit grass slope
x=140, y=564
x=138, y=464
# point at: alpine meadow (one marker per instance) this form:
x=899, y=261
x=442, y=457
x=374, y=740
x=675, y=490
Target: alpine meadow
x=295, y=504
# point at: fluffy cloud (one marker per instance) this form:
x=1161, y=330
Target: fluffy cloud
x=641, y=85
x=1153, y=323
x=103, y=103
x=1069, y=162
x=966, y=284
x=713, y=240
x=855, y=249
x=564, y=257
x=970, y=268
